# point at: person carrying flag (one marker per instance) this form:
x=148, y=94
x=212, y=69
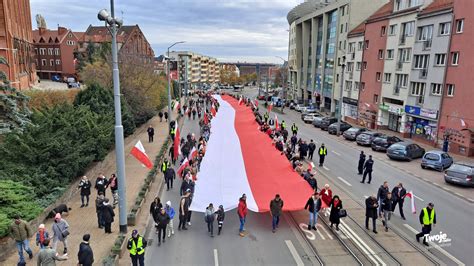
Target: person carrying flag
x=398, y=195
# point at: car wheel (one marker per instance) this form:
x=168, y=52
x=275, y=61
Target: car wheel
x=424, y=167
x=374, y=149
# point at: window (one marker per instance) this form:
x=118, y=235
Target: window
x=454, y=58
x=378, y=76
x=417, y=88
x=401, y=80
x=389, y=54
x=351, y=47
x=348, y=85
x=350, y=66
x=392, y=30
x=356, y=85
x=360, y=45
x=407, y=28
x=362, y=86
x=425, y=33
x=50, y=51
x=380, y=54
x=36, y=50
x=358, y=64
x=436, y=88
x=404, y=55
x=56, y=51
x=387, y=77
x=366, y=44
x=383, y=30
x=420, y=61
x=58, y=62
x=440, y=59
x=51, y=62
x=459, y=25
x=70, y=42
x=444, y=28
x=364, y=65
x=450, y=90
x=43, y=62
x=376, y=98
x=69, y=35
x=42, y=51
x=341, y=28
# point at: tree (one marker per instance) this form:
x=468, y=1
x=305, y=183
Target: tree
x=14, y=112
x=228, y=76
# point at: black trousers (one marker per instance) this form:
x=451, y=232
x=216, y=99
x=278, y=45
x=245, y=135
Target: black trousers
x=360, y=168
x=150, y=138
x=138, y=259
x=367, y=222
x=85, y=197
x=161, y=231
x=425, y=230
x=321, y=159
x=169, y=182
x=182, y=221
x=188, y=216
x=107, y=227
x=400, y=207
x=365, y=174
x=210, y=227
x=310, y=155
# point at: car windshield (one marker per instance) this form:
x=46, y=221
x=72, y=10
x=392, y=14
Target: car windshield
x=397, y=147
x=432, y=157
x=459, y=168
x=353, y=129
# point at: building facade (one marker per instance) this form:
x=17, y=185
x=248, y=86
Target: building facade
x=317, y=42
x=54, y=52
x=16, y=43
x=194, y=69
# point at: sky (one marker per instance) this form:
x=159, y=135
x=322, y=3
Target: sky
x=230, y=30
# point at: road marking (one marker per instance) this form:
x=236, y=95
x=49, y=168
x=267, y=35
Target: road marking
x=294, y=253
x=365, y=196
x=343, y=180
x=309, y=235
x=372, y=255
x=216, y=258
x=419, y=198
x=337, y=153
x=327, y=169
x=447, y=254
x=321, y=235
x=325, y=231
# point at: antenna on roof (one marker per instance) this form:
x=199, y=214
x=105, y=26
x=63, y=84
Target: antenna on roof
x=121, y=11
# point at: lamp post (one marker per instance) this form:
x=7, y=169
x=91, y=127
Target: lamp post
x=339, y=115
x=169, y=82
x=283, y=83
x=114, y=24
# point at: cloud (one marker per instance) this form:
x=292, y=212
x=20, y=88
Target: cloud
x=247, y=29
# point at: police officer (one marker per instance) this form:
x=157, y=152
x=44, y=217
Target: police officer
x=173, y=131
x=165, y=165
x=368, y=167
x=294, y=129
x=283, y=124
x=265, y=117
x=322, y=154
x=360, y=167
x=427, y=218
x=136, y=245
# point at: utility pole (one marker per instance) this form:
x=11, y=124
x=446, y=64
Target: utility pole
x=170, y=117
x=186, y=77
x=339, y=115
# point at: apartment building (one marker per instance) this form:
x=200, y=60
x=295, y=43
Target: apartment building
x=317, y=42
x=195, y=69
x=16, y=43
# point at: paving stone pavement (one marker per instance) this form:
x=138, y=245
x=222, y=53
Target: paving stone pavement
x=84, y=220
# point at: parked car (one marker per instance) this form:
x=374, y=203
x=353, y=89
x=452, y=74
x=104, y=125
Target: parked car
x=326, y=122
x=308, y=112
x=353, y=132
x=317, y=121
x=405, y=151
x=460, y=173
x=332, y=129
x=299, y=108
x=310, y=117
x=56, y=78
x=437, y=160
x=367, y=137
x=261, y=97
x=383, y=142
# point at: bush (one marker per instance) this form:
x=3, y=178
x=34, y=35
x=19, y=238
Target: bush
x=49, y=98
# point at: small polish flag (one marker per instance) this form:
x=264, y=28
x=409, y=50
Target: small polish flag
x=206, y=119
x=463, y=123
x=213, y=110
x=193, y=154
x=138, y=151
x=311, y=166
x=276, y=123
x=176, y=106
x=177, y=139
x=412, y=201
x=183, y=166
x=241, y=100
x=270, y=107
x=256, y=103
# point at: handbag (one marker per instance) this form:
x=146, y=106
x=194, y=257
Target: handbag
x=65, y=233
x=342, y=213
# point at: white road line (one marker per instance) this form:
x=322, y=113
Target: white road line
x=343, y=180
x=294, y=253
x=363, y=245
x=321, y=235
x=337, y=153
x=216, y=258
x=447, y=254
x=327, y=169
x=419, y=198
x=325, y=231
x=365, y=196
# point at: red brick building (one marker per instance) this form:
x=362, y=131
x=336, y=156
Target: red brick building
x=371, y=86
x=457, y=111
x=54, y=52
x=16, y=42
x=132, y=43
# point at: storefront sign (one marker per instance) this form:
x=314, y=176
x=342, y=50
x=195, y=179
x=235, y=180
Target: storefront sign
x=412, y=110
x=396, y=109
x=423, y=112
x=349, y=101
x=383, y=107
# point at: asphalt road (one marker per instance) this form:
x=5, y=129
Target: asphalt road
x=196, y=247
x=454, y=215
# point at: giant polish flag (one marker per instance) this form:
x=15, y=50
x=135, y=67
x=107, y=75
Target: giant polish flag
x=138, y=151
x=241, y=160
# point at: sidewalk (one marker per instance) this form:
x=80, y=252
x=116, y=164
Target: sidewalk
x=84, y=220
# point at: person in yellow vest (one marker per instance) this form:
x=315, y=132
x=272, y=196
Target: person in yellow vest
x=322, y=154
x=427, y=218
x=265, y=117
x=294, y=129
x=136, y=246
x=283, y=124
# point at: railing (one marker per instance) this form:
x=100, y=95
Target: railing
x=427, y=44
x=423, y=73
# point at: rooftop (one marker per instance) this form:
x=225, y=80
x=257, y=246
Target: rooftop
x=437, y=5
x=384, y=11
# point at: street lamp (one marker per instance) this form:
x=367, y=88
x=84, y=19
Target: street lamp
x=283, y=82
x=339, y=115
x=169, y=82
x=113, y=25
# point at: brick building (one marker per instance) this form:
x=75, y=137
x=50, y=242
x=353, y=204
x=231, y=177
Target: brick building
x=16, y=42
x=54, y=52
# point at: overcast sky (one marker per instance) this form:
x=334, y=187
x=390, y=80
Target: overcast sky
x=231, y=30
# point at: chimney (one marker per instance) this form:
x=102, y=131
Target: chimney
x=61, y=30
x=42, y=30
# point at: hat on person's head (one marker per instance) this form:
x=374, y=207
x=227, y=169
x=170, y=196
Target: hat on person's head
x=134, y=232
x=168, y=203
x=431, y=204
x=57, y=217
x=41, y=226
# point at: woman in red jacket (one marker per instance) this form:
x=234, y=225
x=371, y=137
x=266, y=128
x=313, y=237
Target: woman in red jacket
x=326, y=197
x=242, y=212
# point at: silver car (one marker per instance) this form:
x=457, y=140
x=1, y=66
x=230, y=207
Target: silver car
x=461, y=173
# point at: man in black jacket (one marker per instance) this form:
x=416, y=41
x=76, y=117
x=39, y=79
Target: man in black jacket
x=169, y=176
x=151, y=132
x=313, y=205
x=382, y=195
x=368, y=167
x=398, y=195
x=311, y=149
x=303, y=149
x=371, y=212
x=85, y=254
x=360, y=167
x=101, y=184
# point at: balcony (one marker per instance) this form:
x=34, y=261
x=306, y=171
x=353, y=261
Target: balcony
x=427, y=44
x=423, y=73
x=399, y=66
